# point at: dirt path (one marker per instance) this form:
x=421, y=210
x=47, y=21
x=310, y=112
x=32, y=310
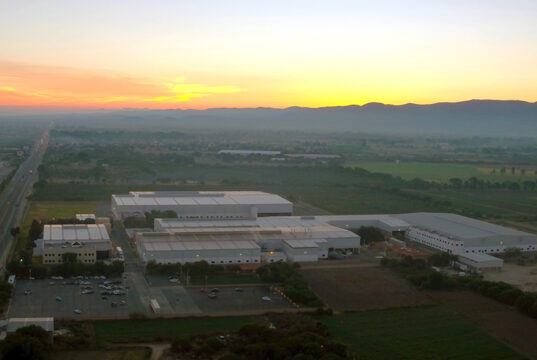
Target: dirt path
x=157, y=349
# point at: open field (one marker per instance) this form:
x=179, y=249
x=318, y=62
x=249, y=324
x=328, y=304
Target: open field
x=442, y=172
x=431, y=332
x=117, y=354
x=58, y=209
x=361, y=288
x=501, y=321
x=147, y=330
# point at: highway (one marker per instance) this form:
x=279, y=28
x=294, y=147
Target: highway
x=13, y=199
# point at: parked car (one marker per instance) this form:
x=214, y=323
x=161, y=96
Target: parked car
x=77, y=311
x=59, y=298
x=28, y=292
x=212, y=295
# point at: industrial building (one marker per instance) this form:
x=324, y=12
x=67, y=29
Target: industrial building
x=480, y=261
x=202, y=205
x=90, y=242
x=246, y=241
x=248, y=152
x=460, y=235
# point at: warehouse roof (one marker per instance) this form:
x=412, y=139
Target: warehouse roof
x=457, y=226
x=288, y=227
x=479, y=257
x=302, y=244
x=195, y=198
x=169, y=242
x=80, y=232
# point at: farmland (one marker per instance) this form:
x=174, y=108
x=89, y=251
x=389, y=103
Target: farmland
x=442, y=172
x=356, y=287
x=430, y=332
x=149, y=330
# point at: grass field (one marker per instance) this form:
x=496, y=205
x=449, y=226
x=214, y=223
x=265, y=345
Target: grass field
x=116, y=354
x=442, y=172
x=415, y=333
x=149, y=330
x=57, y=209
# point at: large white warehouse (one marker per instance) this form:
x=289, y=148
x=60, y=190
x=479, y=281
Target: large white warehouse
x=202, y=205
x=295, y=238
x=461, y=235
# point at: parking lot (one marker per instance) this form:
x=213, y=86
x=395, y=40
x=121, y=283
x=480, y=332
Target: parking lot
x=43, y=300
x=173, y=299
x=229, y=299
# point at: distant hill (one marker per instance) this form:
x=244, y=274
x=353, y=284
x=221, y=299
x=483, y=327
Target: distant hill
x=474, y=117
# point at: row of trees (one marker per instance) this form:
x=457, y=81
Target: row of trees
x=199, y=268
x=420, y=273
x=475, y=183
x=370, y=234
x=149, y=219
x=291, y=336
x=294, y=286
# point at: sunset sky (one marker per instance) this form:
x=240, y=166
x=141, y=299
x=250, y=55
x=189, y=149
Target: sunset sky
x=203, y=54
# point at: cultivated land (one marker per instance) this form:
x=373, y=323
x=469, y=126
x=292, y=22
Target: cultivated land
x=355, y=287
x=431, y=332
x=442, y=172
x=145, y=330
x=501, y=321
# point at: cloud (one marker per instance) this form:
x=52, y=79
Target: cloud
x=24, y=84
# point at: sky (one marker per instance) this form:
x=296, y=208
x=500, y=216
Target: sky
x=249, y=53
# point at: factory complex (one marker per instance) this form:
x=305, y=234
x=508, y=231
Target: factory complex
x=234, y=227
x=252, y=227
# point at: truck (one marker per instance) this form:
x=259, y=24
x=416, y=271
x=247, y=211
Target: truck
x=154, y=305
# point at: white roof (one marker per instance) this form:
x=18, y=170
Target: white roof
x=194, y=198
x=459, y=227
x=479, y=257
x=291, y=227
x=170, y=243
x=79, y=232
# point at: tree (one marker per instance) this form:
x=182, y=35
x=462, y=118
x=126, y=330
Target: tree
x=15, y=231
x=27, y=343
x=36, y=229
x=370, y=234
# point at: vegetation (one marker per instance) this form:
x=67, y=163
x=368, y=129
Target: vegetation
x=67, y=269
x=27, y=343
x=120, y=331
x=370, y=234
x=149, y=219
x=415, y=333
x=294, y=286
x=419, y=273
x=290, y=336
x=201, y=273
x=5, y=295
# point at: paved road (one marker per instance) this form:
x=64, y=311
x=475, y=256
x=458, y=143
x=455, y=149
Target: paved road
x=13, y=199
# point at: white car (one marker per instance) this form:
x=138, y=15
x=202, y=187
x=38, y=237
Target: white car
x=266, y=298
x=77, y=311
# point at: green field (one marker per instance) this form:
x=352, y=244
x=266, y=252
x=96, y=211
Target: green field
x=415, y=333
x=116, y=354
x=149, y=330
x=442, y=172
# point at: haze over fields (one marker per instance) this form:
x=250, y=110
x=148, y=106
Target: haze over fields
x=476, y=117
